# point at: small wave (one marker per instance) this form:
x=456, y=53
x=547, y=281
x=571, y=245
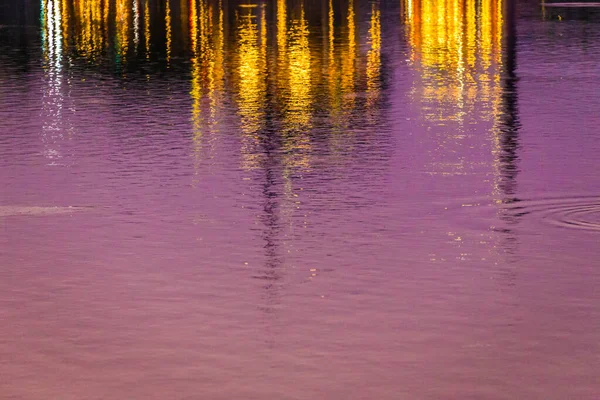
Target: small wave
x=573, y=213
x=6, y=211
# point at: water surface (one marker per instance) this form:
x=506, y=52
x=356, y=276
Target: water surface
x=299, y=200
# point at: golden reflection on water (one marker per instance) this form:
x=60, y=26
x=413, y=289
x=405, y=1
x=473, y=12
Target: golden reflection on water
x=341, y=68
x=236, y=60
x=168, y=28
x=456, y=47
x=349, y=61
x=278, y=83
x=374, y=57
x=147, y=36
x=206, y=35
x=122, y=30
x=251, y=80
x=459, y=49
x=91, y=17
x=298, y=110
x=298, y=113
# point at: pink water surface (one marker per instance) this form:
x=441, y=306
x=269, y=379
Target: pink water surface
x=208, y=201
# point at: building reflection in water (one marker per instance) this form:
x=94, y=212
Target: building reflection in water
x=506, y=132
x=296, y=83
x=464, y=51
x=294, y=88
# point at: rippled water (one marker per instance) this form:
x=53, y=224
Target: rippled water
x=299, y=200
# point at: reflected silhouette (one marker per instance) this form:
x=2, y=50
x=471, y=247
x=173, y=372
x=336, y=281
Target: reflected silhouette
x=507, y=129
x=508, y=122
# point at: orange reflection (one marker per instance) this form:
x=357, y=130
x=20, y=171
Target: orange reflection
x=168, y=28
x=342, y=67
x=455, y=45
x=251, y=74
x=349, y=61
x=122, y=21
x=299, y=74
x=374, y=57
x=147, y=29
x=207, y=71
x=91, y=23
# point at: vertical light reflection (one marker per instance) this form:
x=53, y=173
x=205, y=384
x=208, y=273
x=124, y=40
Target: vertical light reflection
x=53, y=98
x=147, y=29
x=342, y=76
x=331, y=26
x=217, y=70
x=65, y=20
x=374, y=57
x=193, y=25
x=281, y=26
x=198, y=76
x=168, y=29
x=91, y=27
x=464, y=53
x=281, y=33
x=349, y=62
x=333, y=72
x=298, y=108
x=136, y=23
x=207, y=41
x=299, y=104
x=122, y=16
x=44, y=24
x=251, y=85
x=456, y=56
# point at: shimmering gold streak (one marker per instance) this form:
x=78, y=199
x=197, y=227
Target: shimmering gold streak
x=147, y=29
x=168, y=28
x=374, y=57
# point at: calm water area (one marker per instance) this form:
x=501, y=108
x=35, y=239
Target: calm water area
x=299, y=199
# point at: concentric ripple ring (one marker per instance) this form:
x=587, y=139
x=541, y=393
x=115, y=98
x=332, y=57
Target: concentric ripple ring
x=575, y=213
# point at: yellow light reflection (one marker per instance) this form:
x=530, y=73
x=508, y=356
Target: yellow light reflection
x=251, y=73
x=122, y=20
x=374, y=57
x=457, y=48
x=168, y=28
x=91, y=25
x=453, y=43
x=147, y=36
x=349, y=62
x=300, y=85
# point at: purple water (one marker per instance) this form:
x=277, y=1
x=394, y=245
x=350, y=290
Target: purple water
x=299, y=200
